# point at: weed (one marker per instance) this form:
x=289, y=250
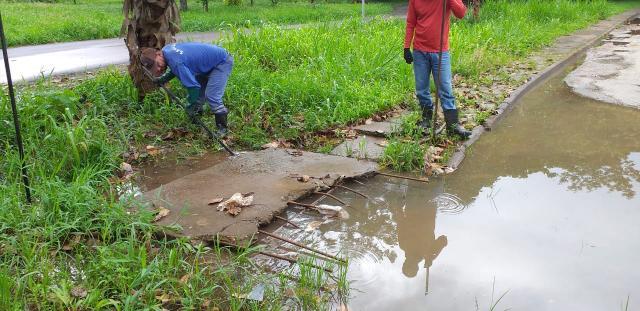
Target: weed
x=403, y=155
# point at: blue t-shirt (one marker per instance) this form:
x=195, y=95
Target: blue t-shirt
x=188, y=60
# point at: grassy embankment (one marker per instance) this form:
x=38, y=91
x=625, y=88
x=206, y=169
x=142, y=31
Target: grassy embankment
x=81, y=246
x=38, y=23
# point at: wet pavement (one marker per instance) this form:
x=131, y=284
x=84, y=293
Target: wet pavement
x=611, y=72
x=543, y=211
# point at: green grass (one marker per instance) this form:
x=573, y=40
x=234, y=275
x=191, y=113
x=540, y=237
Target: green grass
x=286, y=84
x=38, y=23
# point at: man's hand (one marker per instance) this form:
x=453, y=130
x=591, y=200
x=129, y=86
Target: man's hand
x=408, y=57
x=194, y=106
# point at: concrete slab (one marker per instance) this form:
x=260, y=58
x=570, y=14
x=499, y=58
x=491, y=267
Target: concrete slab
x=361, y=147
x=266, y=173
x=380, y=129
x=611, y=72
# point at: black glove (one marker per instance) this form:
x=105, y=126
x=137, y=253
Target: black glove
x=164, y=78
x=408, y=57
x=194, y=106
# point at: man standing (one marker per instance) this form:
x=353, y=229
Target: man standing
x=424, y=20
x=203, y=69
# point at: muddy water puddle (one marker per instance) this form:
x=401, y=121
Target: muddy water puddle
x=543, y=215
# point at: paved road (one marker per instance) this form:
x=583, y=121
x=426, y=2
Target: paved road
x=30, y=62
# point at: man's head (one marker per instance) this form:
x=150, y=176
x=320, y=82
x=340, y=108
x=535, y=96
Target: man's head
x=153, y=60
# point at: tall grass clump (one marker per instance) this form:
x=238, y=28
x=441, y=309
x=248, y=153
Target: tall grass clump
x=290, y=82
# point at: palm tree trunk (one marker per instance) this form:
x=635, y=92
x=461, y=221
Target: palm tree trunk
x=147, y=23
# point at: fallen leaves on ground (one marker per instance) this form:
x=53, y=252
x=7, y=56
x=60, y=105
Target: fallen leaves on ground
x=71, y=243
x=304, y=178
x=383, y=143
x=162, y=212
x=175, y=133
x=234, y=205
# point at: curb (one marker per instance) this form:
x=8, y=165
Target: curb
x=536, y=80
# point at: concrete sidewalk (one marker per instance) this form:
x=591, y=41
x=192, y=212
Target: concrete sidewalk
x=31, y=62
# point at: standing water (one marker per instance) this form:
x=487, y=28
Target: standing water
x=543, y=215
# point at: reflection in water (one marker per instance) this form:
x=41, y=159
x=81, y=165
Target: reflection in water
x=544, y=205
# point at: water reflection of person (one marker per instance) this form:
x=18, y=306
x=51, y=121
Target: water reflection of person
x=416, y=237
x=416, y=222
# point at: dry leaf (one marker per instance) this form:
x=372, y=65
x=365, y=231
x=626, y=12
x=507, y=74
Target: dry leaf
x=304, y=178
x=383, y=143
x=126, y=167
x=152, y=150
x=234, y=205
x=215, y=201
x=162, y=212
x=79, y=292
x=273, y=144
x=234, y=210
x=289, y=292
x=163, y=298
x=313, y=226
x=295, y=153
x=368, y=121
x=71, y=243
x=149, y=134
x=185, y=278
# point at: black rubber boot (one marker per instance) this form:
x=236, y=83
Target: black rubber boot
x=453, y=127
x=425, y=123
x=221, y=124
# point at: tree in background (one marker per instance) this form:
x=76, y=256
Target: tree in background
x=147, y=23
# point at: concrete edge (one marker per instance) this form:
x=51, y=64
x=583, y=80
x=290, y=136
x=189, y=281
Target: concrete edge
x=537, y=79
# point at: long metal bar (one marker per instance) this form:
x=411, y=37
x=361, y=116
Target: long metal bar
x=402, y=177
x=14, y=109
x=293, y=261
x=301, y=245
x=323, y=194
x=435, y=113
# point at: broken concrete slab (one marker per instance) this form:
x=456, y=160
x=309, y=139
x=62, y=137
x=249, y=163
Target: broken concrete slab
x=611, y=72
x=380, y=129
x=361, y=147
x=269, y=174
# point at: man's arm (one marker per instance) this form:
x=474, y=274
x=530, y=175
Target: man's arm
x=411, y=25
x=457, y=8
x=165, y=77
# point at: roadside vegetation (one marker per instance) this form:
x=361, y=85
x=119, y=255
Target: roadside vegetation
x=28, y=23
x=83, y=244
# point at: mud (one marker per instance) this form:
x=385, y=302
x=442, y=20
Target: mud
x=548, y=219
x=270, y=174
x=611, y=71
